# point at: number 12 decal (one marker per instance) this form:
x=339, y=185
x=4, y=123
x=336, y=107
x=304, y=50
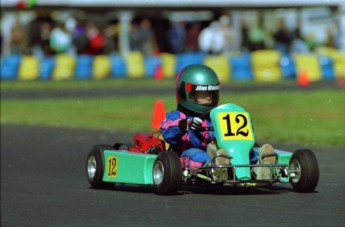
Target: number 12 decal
x=112, y=166
x=235, y=126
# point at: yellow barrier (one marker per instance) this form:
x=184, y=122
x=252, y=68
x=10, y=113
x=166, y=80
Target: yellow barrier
x=310, y=64
x=339, y=64
x=101, y=67
x=29, y=68
x=64, y=67
x=263, y=58
x=220, y=64
x=266, y=65
x=169, y=65
x=135, y=64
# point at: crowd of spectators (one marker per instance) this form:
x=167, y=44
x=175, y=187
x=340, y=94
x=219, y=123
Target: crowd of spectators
x=48, y=37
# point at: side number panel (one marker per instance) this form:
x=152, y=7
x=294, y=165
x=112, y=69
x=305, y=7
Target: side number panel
x=112, y=166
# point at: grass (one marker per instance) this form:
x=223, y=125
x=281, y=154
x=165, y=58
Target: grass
x=312, y=118
x=82, y=84
x=296, y=117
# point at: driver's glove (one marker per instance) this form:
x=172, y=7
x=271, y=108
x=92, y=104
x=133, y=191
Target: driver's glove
x=195, y=123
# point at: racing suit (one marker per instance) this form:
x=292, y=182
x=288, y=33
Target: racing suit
x=189, y=143
x=186, y=142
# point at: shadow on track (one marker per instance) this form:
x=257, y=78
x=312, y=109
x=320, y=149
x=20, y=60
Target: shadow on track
x=203, y=189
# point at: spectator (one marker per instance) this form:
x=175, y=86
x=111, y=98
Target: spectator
x=134, y=37
x=192, y=35
x=298, y=44
x=146, y=37
x=342, y=32
x=282, y=37
x=177, y=37
x=45, y=31
x=60, y=39
x=311, y=41
x=212, y=39
x=142, y=37
x=257, y=37
x=111, y=34
x=17, y=42
x=96, y=39
x=1, y=40
x=330, y=38
x=225, y=23
x=339, y=33
x=80, y=39
x=245, y=36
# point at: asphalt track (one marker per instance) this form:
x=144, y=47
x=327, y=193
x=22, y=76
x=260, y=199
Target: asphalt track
x=43, y=183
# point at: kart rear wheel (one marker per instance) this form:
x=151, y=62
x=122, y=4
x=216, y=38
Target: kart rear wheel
x=95, y=167
x=304, y=164
x=167, y=173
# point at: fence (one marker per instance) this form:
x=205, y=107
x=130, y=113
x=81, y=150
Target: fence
x=262, y=66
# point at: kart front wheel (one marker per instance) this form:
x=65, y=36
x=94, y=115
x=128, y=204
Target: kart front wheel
x=167, y=173
x=95, y=167
x=305, y=171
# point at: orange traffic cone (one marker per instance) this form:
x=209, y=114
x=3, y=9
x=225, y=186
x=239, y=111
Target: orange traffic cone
x=158, y=114
x=158, y=73
x=303, y=78
x=341, y=81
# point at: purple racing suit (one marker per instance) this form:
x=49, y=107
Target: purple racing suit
x=187, y=143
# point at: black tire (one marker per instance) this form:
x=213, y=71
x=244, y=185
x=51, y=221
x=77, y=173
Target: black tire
x=154, y=150
x=306, y=168
x=95, y=167
x=167, y=173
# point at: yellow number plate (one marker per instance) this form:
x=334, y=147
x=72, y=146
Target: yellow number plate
x=112, y=166
x=235, y=126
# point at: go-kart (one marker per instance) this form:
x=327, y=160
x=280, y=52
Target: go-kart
x=149, y=162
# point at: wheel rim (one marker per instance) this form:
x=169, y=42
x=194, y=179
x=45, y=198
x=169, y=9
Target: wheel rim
x=91, y=167
x=296, y=168
x=158, y=173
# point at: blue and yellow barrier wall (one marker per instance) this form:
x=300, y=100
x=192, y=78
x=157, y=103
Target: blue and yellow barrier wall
x=262, y=66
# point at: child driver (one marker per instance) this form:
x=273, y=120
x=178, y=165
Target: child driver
x=197, y=92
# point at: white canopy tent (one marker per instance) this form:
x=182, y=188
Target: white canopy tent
x=180, y=3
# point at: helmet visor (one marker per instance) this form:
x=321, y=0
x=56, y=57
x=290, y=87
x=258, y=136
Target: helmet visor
x=204, y=94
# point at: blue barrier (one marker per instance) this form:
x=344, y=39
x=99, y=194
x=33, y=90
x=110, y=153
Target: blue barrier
x=9, y=66
x=189, y=58
x=46, y=67
x=326, y=64
x=240, y=65
x=83, y=68
x=241, y=68
x=118, y=66
x=151, y=64
x=287, y=67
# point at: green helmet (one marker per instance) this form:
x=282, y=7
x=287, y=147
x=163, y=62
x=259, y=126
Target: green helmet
x=195, y=79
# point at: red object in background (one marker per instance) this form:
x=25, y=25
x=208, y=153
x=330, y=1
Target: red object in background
x=21, y=4
x=97, y=42
x=341, y=81
x=26, y=4
x=158, y=114
x=303, y=78
x=158, y=73
x=143, y=142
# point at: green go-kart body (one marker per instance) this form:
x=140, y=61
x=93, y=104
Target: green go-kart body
x=147, y=162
